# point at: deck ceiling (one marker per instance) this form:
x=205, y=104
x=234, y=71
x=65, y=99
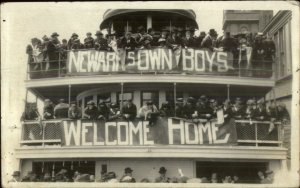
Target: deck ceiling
x=216, y=91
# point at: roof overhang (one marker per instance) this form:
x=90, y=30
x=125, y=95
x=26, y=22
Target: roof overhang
x=110, y=13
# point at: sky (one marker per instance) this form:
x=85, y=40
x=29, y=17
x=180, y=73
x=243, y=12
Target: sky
x=22, y=21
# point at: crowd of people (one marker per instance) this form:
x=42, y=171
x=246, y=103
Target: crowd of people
x=191, y=109
x=110, y=177
x=49, y=54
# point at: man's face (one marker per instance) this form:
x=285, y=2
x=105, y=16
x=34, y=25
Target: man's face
x=88, y=35
x=128, y=35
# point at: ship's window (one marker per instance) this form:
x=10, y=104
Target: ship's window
x=53, y=167
x=126, y=96
x=246, y=171
x=170, y=96
x=150, y=96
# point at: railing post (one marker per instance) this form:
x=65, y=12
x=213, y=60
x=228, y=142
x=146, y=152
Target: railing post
x=69, y=99
x=175, y=99
x=280, y=134
x=122, y=92
x=43, y=131
x=228, y=92
x=256, y=141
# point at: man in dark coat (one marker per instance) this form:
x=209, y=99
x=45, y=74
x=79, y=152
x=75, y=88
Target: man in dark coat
x=74, y=111
x=238, y=109
x=227, y=43
x=179, y=108
x=100, y=41
x=227, y=109
x=91, y=111
x=189, y=108
x=127, y=177
x=203, y=110
x=188, y=41
x=173, y=42
x=166, y=110
x=89, y=41
x=207, y=42
x=261, y=112
x=114, y=112
x=162, y=178
x=282, y=113
x=129, y=110
x=103, y=110
x=31, y=113
x=71, y=40
x=155, y=37
x=200, y=39
x=77, y=45
x=128, y=42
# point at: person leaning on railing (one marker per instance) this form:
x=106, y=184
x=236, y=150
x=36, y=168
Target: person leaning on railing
x=149, y=112
x=129, y=110
x=238, y=109
x=61, y=109
x=74, y=111
x=103, y=110
x=91, y=111
x=30, y=113
x=48, y=109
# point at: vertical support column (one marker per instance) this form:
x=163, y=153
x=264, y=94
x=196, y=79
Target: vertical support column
x=137, y=98
x=59, y=64
x=82, y=105
x=228, y=92
x=256, y=144
x=170, y=26
x=122, y=92
x=149, y=21
x=161, y=97
x=69, y=99
x=127, y=26
x=175, y=91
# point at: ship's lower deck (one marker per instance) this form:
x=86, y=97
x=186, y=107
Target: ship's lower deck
x=245, y=169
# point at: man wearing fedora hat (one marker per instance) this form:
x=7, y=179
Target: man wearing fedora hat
x=238, y=109
x=127, y=177
x=162, y=178
x=261, y=112
x=15, y=177
x=103, y=110
x=188, y=40
x=77, y=45
x=129, y=110
x=54, y=38
x=71, y=40
x=208, y=41
x=89, y=41
x=114, y=111
x=100, y=41
x=91, y=111
x=128, y=42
